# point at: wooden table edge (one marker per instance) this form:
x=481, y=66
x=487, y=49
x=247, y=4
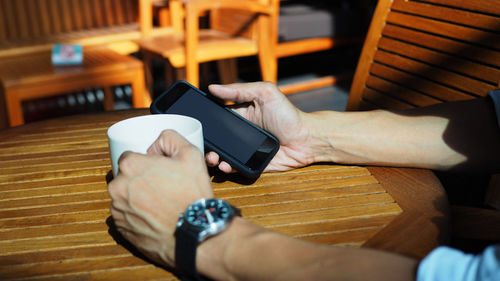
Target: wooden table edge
x=423, y=198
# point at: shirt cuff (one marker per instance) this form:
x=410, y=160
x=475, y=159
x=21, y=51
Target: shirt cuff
x=444, y=264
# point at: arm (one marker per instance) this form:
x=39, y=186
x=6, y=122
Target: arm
x=247, y=252
x=458, y=135
x=146, y=202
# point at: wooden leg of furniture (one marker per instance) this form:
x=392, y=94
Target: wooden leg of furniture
x=173, y=74
x=170, y=74
x=312, y=84
x=228, y=71
x=14, y=110
x=267, y=54
x=109, y=101
x=163, y=16
x=4, y=118
x=141, y=98
x=148, y=68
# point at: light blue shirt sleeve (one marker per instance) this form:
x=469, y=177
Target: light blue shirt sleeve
x=447, y=264
x=495, y=96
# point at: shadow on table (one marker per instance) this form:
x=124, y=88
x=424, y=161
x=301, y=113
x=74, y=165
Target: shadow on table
x=120, y=240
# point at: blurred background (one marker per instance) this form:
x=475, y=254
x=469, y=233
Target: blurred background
x=315, y=75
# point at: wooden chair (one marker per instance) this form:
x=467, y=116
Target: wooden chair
x=300, y=46
x=422, y=53
x=186, y=46
x=28, y=30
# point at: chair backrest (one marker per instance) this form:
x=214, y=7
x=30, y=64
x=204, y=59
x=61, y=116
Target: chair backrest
x=240, y=22
x=38, y=22
x=419, y=53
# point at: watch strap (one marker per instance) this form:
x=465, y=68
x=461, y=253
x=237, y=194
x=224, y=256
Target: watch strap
x=186, y=246
x=185, y=252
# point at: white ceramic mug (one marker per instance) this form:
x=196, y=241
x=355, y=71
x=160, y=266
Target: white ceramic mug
x=138, y=133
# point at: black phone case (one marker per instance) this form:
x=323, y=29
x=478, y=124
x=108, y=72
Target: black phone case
x=236, y=164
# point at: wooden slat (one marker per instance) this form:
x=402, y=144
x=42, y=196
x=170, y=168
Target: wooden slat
x=419, y=84
x=118, y=8
x=487, y=7
x=466, y=34
x=3, y=23
x=50, y=200
x=52, y=191
x=10, y=20
x=45, y=26
x=448, y=14
x=131, y=273
x=67, y=16
x=445, y=45
x=339, y=225
x=407, y=95
x=383, y=101
x=22, y=21
x=131, y=11
x=98, y=13
x=55, y=17
x=451, y=63
x=75, y=266
x=33, y=17
x=76, y=8
x=87, y=16
x=108, y=13
x=51, y=256
x=52, y=215
x=435, y=74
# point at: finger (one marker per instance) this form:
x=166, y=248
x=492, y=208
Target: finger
x=131, y=163
x=171, y=144
x=212, y=159
x=237, y=92
x=226, y=168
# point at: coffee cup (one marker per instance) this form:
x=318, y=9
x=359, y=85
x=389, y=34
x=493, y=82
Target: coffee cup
x=136, y=134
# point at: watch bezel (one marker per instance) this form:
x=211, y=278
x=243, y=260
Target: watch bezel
x=218, y=225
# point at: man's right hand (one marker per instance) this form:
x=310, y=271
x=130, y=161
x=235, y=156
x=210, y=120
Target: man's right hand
x=263, y=104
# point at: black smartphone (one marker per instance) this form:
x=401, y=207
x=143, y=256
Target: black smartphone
x=242, y=144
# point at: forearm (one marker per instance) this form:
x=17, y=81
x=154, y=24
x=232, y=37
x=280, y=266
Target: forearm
x=248, y=252
x=448, y=136
x=384, y=138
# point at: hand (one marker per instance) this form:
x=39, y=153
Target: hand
x=267, y=107
x=151, y=191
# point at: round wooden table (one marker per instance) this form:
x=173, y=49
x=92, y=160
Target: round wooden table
x=54, y=206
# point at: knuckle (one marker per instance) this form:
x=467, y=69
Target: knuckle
x=269, y=86
x=166, y=134
x=127, y=162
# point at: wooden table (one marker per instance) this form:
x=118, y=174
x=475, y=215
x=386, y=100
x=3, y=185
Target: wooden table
x=33, y=76
x=54, y=205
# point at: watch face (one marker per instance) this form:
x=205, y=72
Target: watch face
x=207, y=212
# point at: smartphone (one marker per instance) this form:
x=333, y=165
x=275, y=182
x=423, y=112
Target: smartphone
x=242, y=144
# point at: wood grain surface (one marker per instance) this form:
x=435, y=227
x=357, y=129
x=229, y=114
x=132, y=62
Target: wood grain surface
x=54, y=206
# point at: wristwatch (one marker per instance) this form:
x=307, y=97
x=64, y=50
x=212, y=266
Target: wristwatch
x=201, y=220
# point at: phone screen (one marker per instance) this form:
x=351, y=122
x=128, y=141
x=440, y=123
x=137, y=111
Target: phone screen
x=232, y=135
x=242, y=144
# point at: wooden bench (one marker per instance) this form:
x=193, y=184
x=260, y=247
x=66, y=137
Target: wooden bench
x=28, y=30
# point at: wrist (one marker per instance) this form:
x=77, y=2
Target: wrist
x=322, y=135
x=218, y=256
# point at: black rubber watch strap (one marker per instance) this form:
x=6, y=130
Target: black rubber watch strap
x=185, y=253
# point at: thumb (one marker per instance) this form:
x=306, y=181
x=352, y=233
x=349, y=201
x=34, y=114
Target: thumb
x=171, y=144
